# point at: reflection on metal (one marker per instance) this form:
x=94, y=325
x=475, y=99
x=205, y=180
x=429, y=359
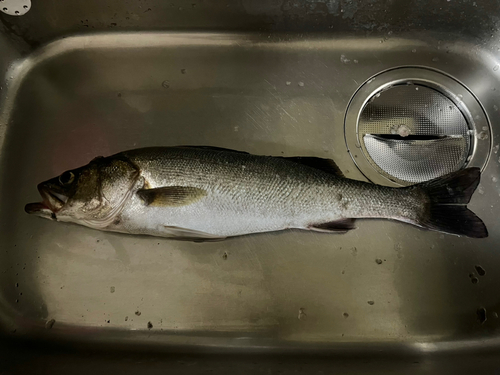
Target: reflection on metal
x=15, y=7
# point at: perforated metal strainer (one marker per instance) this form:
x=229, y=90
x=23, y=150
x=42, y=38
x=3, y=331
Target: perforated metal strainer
x=411, y=125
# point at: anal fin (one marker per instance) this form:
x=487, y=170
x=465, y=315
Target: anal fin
x=185, y=234
x=338, y=226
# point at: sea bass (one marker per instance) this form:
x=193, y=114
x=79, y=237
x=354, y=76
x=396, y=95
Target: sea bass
x=206, y=193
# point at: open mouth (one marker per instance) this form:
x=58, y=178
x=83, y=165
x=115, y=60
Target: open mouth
x=51, y=202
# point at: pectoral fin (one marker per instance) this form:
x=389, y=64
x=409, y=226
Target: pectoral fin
x=171, y=196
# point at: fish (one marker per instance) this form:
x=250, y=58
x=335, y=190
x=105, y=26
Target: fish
x=203, y=193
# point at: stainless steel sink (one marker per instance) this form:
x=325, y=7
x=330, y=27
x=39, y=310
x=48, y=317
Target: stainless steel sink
x=88, y=78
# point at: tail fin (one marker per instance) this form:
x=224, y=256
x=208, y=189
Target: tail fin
x=449, y=196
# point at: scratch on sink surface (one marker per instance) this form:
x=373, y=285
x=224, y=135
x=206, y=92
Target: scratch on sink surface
x=274, y=96
x=376, y=57
x=254, y=120
x=270, y=84
x=356, y=82
x=289, y=115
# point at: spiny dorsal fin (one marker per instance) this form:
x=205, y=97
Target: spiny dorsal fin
x=325, y=165
x=171, y=196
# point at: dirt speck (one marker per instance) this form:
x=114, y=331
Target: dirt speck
x=138, y=313
x=378, y=261
x=302, y=314
x=481, y=315
x=480, y=270
x=371, y=303
x=165, y=84
x=224, y=256
x=126, y=318
x=183, y=71
x=150, y=325
x=345, y=315
x=112, y=289
x=50, y=323
x=354, y=251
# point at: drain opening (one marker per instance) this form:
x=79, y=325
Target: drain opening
x=412, y=125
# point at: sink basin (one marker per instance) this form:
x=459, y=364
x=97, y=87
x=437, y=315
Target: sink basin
x=95, y=78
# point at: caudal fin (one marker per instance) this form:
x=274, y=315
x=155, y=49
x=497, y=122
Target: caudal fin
x=449, y=196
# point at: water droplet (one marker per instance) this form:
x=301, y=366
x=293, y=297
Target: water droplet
x=288, y=83
x=344, y=59
x=482, y=136
x=165, y=84
x=494, y=179
x=496, y=67
x=301, y=84
x=495, y=149
x=414, y=50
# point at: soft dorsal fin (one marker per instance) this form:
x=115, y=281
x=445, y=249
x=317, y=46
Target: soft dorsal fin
x=325, y=165
x=171, y=196
x=213, y=148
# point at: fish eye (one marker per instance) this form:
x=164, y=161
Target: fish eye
x=66, y=178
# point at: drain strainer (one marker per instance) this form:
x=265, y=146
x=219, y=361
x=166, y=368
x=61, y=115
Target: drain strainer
x=411, y=125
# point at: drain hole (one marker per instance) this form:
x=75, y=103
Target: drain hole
x=412, y=137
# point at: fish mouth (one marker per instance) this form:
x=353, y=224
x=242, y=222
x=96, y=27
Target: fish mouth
x=51, y=202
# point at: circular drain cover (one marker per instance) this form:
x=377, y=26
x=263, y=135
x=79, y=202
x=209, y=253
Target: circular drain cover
x=411, y=125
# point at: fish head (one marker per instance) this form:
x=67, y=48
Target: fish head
x=91, y=195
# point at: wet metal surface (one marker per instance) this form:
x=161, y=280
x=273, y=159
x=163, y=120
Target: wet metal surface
x=385, y=288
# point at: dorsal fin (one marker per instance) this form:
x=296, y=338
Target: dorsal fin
x=213, y=148
x=325, y=165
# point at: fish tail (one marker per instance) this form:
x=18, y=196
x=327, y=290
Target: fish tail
x=449, y=196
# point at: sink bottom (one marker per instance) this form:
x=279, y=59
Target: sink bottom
x=383, y=287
